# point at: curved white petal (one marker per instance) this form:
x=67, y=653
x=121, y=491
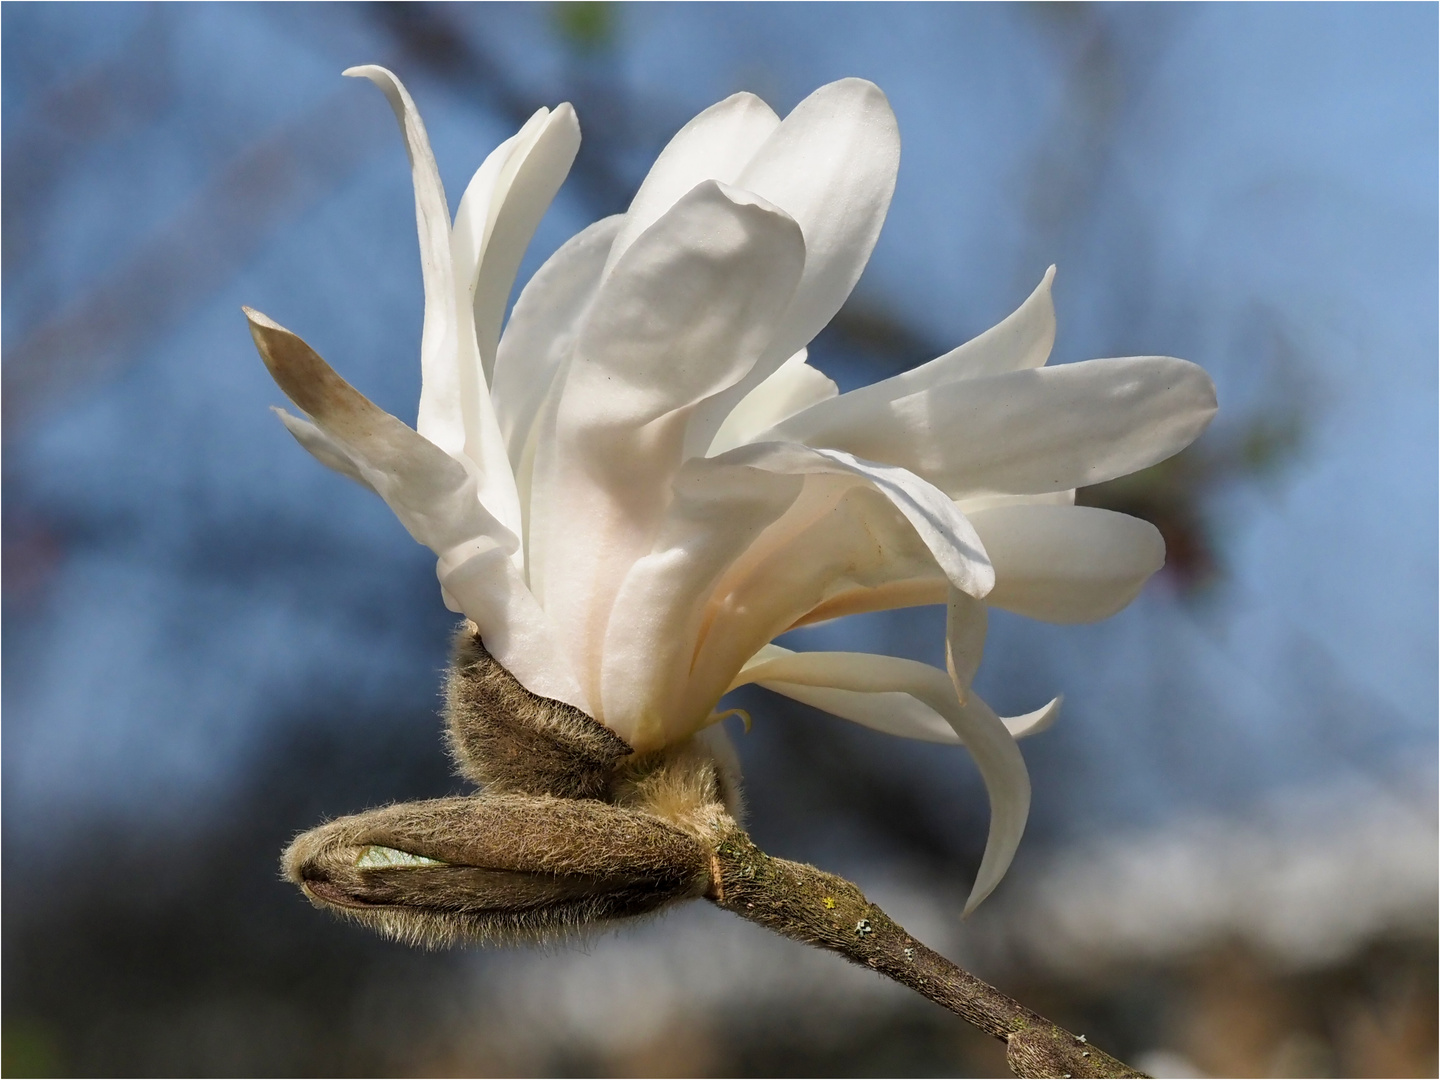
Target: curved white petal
x=475, y=214
x=1032, y=431
x=434, y=497
x=943, y=529
x=542, y=330
x=966, y=620
x=441, y=418
x=792, y=388
x=432, y=493
x=892, y=712
x=532, y=176
x=1032, y=723
x=1021, y=340
x=455, y=410
x=685, y=312
x=831, y=165
x=715, y=145
x=718, y=512
x=323, y=448
x=990, y=743
x=840, y=539
x=1067, y=564
x=481, y=580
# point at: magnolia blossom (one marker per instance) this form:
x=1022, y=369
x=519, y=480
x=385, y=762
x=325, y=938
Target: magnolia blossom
x=642, y=481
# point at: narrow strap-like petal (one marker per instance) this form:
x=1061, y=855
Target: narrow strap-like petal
x=532, y=176
x=1021, y=340
x=432, y=493
x=792, y=388
x=966, y=621
x=892, y=712
x=957, y=550
x=831, y=165
x=323, y=448
x=441, y=417
x=716, y=145
x=475, y=215
x=1067, y=564
x=1032, y=431
x=989, y=741
x=896, y=713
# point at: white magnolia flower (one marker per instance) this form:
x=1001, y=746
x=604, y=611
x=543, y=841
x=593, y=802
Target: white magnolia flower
x=642, y=482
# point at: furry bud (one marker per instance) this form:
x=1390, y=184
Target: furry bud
x=505, y=738
x=495, y=867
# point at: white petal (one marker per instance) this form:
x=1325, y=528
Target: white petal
x=889, y=711
x=831, y=165
x=455, y=411
x=1032, y=723
x=542, y=330
x=926, y=588
x=718, y=512
x=944, y=530
x=841, y=538
x=1039, y=430
x=988, y=740
x=324, y=449
x=481, y=580
x=966, y=621
x=475, y=215
x=1022, y=340
x=432, y=493
x=685, y=312
x=1067, y=564
x=973, y=504
x=441, y=413
x=434, y=497
x=791, y=389
x=690, y=305
x=532, y=176
x=716, y=145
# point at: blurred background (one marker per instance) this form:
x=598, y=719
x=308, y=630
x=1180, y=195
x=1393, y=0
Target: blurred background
x=211, y=643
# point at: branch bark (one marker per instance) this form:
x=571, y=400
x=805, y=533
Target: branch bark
x=809, y=905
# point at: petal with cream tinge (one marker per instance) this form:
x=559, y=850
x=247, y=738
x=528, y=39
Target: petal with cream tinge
x=1067, y=564
x=989, y=741
x=716, y=145
x=1024, y=432
x=685, y=313
x=831, y=165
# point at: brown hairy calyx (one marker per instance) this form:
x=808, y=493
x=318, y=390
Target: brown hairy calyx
x=571, y=830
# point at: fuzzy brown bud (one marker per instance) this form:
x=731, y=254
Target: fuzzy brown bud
x=495, y=867
x=505, y=738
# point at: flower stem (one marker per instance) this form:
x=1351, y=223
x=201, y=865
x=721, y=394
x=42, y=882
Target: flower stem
x=809, y=905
